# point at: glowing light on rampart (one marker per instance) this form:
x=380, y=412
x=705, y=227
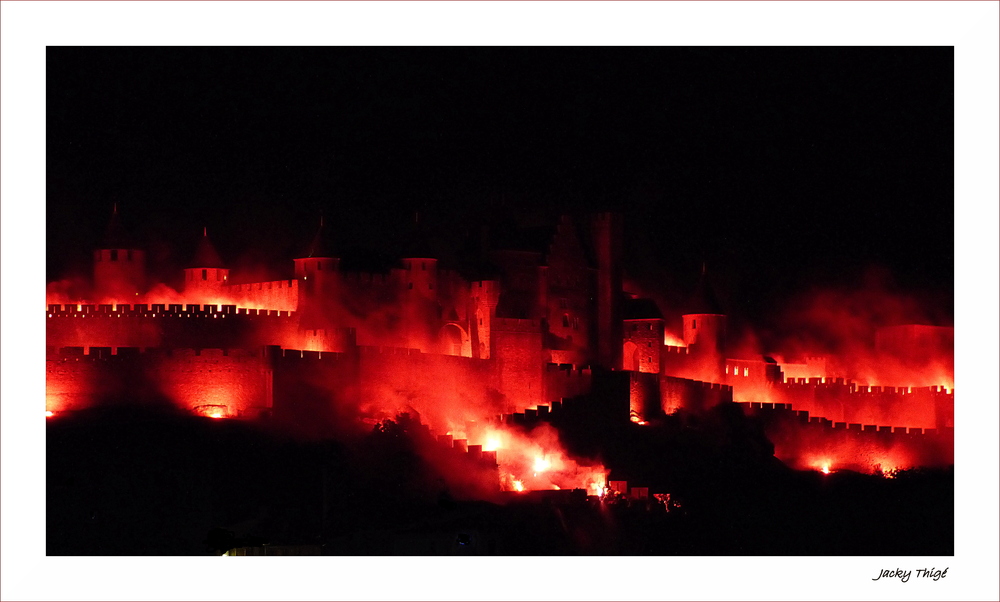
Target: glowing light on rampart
x=673, y=341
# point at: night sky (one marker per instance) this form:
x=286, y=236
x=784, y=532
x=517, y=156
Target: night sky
x=779, y=168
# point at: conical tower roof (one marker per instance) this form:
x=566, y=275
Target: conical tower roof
x=115, y=236
x=703, y=301
x=641, y=309
x=319, y=247
x=206, y=256
x=417, y=240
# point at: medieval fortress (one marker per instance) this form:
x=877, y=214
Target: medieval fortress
x=533, y=333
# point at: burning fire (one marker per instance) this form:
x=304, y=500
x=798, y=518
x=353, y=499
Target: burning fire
x=824, y=466
x=536, y=460
x=541, y=465
x=49, y=413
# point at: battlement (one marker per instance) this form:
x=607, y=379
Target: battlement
x=158, y=310
x=531, y=416
x=853, y=388
x=302, y=354
x=569, y=370
x=247, y=287
x=474, y=453
x=698, y=384
x=779, y=411
x=77, y=354
x=484, y=285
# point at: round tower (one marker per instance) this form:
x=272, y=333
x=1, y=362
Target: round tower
x=643, y=333
x=206, y=277
x=119, y=266
x=705, y=322
x=420, y=277
x=316, y=270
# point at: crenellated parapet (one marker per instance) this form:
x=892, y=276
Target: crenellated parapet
x=842, y=400
x=542, y=413
x=565, y=380
x=105, y=354
x=691, y=395
x=808, y=441
x=461, y=449
x=784, y=412
x=670, y=349
x=160, y=310
x=169, y=325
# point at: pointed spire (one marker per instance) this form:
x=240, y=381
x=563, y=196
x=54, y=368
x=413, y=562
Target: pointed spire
x=115, y=236
x=206, y=256
x=703, y=300
x=319, y=247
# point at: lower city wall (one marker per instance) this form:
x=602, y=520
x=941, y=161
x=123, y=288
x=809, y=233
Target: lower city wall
x=805, y=441
x=319, y=390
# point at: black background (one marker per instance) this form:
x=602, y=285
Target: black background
x=780, y=168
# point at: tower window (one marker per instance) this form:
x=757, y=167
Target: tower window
x=565, y=320
x=204, y=274
x=746, y=372
x=423, y=265
x=410, y=286
x=319, y=265
x=694, y=324
x=114, y=254
x=128, y=255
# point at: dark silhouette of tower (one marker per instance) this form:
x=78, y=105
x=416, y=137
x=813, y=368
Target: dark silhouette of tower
x=206, y=274
x=119, y=266
x=607, y=232
x=316, y=270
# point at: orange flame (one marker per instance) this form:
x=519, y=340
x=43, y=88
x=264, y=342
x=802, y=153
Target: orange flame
x=536, y=461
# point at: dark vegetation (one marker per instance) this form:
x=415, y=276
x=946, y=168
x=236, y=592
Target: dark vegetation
x=152, y=482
